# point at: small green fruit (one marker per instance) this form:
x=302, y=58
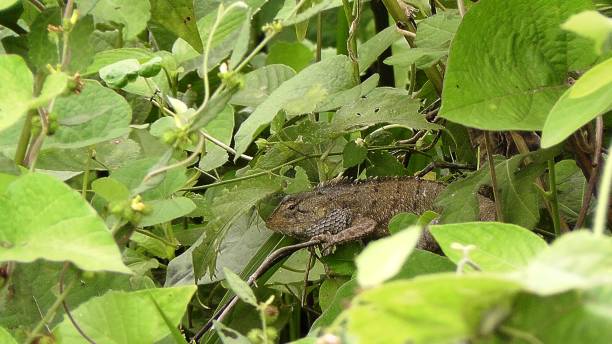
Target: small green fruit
x=255, y=336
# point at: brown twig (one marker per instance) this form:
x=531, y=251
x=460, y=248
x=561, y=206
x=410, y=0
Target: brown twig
x=498, y=205
x=443, y=164
x=586, y=199
x=269, y=262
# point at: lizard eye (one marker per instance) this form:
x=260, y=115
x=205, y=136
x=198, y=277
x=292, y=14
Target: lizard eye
x=291, y=206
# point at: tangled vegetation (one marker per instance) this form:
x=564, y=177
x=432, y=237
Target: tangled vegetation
x=144, y=143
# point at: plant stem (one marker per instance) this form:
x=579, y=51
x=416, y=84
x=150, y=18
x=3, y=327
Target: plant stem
x=601, y=212
x=554, y=203
x=319, y=37
x=586, y=200
x=498, y=205
x=24, y=138
x=86, y=173
x=50, y=313
x=403, y=21
x=461, y=8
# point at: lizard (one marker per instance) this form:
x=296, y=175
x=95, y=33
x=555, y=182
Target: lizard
x=342, y=211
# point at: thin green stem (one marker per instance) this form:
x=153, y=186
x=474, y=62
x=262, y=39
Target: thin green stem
x=554, y=202
x=50, y=314
x=86, y=173
x=601, y=213
x=319, y=37
x=24, y=138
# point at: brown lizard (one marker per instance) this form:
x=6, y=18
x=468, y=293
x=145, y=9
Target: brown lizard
x=342, y=211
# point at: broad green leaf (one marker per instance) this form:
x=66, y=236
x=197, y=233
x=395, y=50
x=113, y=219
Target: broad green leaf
x=220, y=128
x=383, y=258
x=578, y=260
x=327, y=291
x=298, y=95
x=369, y=51
x=42, y=217
x=353, y=154
x=589, y=97
x=421, y=262
x=343, y=296
x=154, y=247
x=132, y=174
x=240, y=287
x=506, y=74
x=498, y=246
x=260, y=83
x=242, y=44
x=5, y=336
x=571, y=186
x=118, y=74
x=593, y=25
x=177, y=336
x=421, y=57
x=110, y=189
x=33, y=288
x=107, y=57
x=16, y=84
x=166, y=210
x=43, y=46
x=228, y=335
x=122, y=317
x=95, y=115
x=133, y=15
x=55, y=84
x=291, y=273
x=81, y=50
x=520, y=201
x=4, y=4
x=178, y=17
x=438, y=30
x=440, y=308
x=293, y=54
x=382, y=105
x=574, y=317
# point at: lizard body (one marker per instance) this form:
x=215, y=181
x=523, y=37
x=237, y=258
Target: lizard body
x=341, y=211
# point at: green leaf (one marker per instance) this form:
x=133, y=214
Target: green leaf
x=5, y=336
x=213, y=108
x=178, y=17
x=19, y=313
x=122, y=317
x=55, y=84
x=177, y=336
x=571, y=186
x=42, y=217
x=308, y=13
x=382, y=105
x=4, y=4
x=592, y=25
x=81, y=50
x=441, y=308
x=578, y=260
x=132, y=15
x=240, y=287
x=228, y=335
x=260, y=83
x=369, y=51
x=220, y=128
x=353, y=154
x=421, y=57
x=437, y=31
x=16, y=84
x=293, y=54
x=343, y=296
x=506, y=74
x=42, y=44
x=499, y=246
x=167, y=210
x=589, y=97
x=110, y=189
x=95, y=115
x=107, y=57
x=571, y=318
x=132, y=174
x=118, y=74
x=301, y=94
x=383, y=258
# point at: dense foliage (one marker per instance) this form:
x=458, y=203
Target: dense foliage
x=143, y=143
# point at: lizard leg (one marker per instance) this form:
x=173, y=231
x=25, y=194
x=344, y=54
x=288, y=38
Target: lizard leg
x=360, y=228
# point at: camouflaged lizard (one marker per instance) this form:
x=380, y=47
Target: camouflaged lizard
x=342, y=211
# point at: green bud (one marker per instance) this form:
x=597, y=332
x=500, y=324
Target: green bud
x=255, y=336
x=169, y=137
x=272, y=333
x=271, y=313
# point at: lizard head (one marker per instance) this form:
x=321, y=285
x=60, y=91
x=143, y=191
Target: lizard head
x=296, y=213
